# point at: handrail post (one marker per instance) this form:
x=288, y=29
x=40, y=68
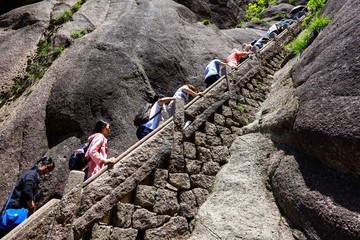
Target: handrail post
x=61, y=227
x=177, y=161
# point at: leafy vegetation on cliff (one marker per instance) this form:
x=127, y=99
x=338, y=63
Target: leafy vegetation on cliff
x=47, y=52
x=312, y=25
x=254, y=9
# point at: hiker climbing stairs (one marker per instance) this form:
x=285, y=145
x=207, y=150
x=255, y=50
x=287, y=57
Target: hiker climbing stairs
x=156, y=187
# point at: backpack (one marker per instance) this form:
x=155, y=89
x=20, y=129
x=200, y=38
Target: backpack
x=77, y=160
x=143, y=115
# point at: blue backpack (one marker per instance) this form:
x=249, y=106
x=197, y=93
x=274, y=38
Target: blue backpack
x=10, y=217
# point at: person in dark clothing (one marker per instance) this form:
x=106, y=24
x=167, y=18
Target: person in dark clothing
x=25, y=189
x=27, y=185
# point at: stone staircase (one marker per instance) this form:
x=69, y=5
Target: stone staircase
x=156, y=187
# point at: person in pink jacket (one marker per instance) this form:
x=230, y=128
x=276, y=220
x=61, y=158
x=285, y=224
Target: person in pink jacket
x=233, y=59
x=98, y=149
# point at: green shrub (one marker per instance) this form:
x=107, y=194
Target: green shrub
x=44, y=48
x=79, y=33
x=254, y=9
x=318, y=23
x=303, y=40
x=65, y=16
x=240, y=108
x=206, y=21
x=315, y=6
x=77, y=5
x=299, y=44
x=59, y=49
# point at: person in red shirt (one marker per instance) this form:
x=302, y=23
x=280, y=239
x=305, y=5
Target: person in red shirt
x=235, y=55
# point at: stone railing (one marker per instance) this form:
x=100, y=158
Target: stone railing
x=157, y=185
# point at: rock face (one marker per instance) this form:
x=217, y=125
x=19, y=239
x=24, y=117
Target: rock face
x=7, y=5
x=327, y=126
x=320, y=200
x=275, y=10
x=135, y=48
x=241, y=206
x=20, y=32
x=131, y=53
x=224, y=14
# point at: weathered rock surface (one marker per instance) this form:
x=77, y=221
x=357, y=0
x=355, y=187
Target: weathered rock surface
x=276, y=10
x=224, y=14
x=244, y=35
x=132, y=52
x=7, y=5
x=322, y=201
x=20, y=32
x=240, y=205
x=108, y=73
x=327, y=126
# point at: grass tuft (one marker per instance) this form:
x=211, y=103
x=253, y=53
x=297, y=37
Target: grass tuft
x=79, y=33
x=306, y=37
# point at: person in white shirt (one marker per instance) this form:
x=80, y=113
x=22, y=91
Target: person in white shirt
x=154, y=116
x=183, y=93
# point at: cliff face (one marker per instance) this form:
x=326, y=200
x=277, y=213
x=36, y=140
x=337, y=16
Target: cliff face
x=132, y=49
x=327, y=77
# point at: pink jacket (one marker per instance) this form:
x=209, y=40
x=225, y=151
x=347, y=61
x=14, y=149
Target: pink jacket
x=97, y=151
x=234, y=57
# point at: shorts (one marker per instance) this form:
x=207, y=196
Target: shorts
x=210, y=80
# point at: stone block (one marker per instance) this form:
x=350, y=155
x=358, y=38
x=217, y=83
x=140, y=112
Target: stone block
x=123, y=234
x=177, y=164
x=240, y=118
x=176, y=228
x=219, y=119
x=189, y=150
x=227, y=139
x=188, y=206
x=226, y=111
x=210, y=129
x=252, y=102
x=178, y=144
x=123, y=214
x=232, y=103
x=204, y=154
x=144, y=219
x=213, y=140
x=166, y=202
x=201, y=180
x=223, y=130
x=229, y=123
x=250, y=87
x=200, y=139
x=160, y=177
x=100, y=232
x=220, y=154
x=193, y=166
x=179, y=180
x=236, y=130
x=200, y=195
x=210, y=168
x=145, y=196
